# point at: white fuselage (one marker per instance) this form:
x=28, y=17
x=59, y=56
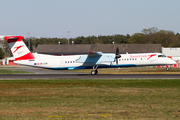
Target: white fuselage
x=82, y=62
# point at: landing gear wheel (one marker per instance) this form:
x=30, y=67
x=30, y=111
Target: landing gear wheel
x=167, y=68
x=94, y=72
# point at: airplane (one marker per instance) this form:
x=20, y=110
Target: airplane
x=93, y=60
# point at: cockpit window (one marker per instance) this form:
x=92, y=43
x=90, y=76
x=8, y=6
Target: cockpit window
x=161, y=56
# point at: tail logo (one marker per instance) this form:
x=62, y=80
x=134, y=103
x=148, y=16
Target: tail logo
x=17, y=48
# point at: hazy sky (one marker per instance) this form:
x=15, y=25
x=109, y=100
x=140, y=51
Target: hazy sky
x=53, y=18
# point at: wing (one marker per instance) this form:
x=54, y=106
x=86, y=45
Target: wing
x=96, y=58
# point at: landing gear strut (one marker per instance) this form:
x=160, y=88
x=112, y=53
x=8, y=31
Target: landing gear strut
x=94, y=71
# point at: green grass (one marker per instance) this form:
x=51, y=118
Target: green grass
x=90, y=99
x=3, y=71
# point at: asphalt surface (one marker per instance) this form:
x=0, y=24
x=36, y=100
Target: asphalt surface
x=88, y=76
x=39, y=73
x=36, y=70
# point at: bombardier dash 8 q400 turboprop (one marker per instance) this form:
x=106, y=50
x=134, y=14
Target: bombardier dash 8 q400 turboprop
x=93, y=60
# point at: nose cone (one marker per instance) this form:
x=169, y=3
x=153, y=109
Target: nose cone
x=171, y=62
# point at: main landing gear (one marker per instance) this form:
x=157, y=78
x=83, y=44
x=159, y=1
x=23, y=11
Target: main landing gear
x=94, y=71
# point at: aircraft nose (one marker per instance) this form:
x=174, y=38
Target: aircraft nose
x=173, y=62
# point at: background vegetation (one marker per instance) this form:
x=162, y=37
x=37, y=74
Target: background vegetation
x=2, y=54
x=147, y=36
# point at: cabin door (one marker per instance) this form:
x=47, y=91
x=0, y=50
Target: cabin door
x=142, y=61
x=62, y=63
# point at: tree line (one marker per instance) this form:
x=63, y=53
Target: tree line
x=147, y=36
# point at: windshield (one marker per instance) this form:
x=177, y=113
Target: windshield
x=161, y=56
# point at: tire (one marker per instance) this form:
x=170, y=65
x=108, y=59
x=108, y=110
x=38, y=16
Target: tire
x=167, y=69
x=94, y=72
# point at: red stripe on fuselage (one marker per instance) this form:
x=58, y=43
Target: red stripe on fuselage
x=28, y=56
x=151, y=56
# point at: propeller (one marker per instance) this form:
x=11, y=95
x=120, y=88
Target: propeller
x=117, y=56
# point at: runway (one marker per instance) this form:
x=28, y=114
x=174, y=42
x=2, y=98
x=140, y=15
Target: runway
x=88, y=76
x=39, y=73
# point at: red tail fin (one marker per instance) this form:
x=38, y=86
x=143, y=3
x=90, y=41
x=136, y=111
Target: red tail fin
x=18, y=48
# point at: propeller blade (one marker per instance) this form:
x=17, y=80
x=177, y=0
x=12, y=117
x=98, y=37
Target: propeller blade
x=116, y=62
x=117, y=51
x=117, y=56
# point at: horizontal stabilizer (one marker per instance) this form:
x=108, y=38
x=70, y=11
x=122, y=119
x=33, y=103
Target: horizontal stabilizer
x=11, y=39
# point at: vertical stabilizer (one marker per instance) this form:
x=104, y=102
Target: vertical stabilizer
x=18, y=48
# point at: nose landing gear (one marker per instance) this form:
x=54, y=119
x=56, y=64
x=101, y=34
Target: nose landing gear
x=167, y=68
